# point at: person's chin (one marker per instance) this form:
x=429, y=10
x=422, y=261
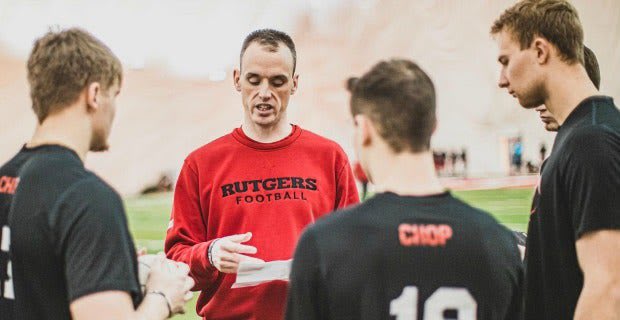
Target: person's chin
x=528, y=104
x=100, y=147
x=265, y=122
x=530, y=101
x=552, y=127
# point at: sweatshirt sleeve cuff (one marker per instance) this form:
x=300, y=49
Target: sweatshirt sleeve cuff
x=199, y=260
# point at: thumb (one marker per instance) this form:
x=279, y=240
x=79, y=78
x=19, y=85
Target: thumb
x=141, y=251
x=251, y=263
x=240, y=238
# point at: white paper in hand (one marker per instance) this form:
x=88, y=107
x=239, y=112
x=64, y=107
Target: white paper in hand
x=252, y=273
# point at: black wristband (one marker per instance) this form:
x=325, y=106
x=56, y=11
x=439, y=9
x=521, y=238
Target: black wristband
x=165, y=298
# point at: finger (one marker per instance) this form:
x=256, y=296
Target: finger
x=189, y=284
x=141, y=251
x=238, y=248
x=158, y=263
x=228, y=265
x=237, y=258
x=230, y=257
x=250, y=259
x=160, y=260
x=229, y=268
x=252, y=263
x=240, y=237
x=182, y=267
x=188, y=296
x=159, y=257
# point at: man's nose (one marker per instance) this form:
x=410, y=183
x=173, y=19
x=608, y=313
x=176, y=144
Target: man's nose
x=503, y=82
x=264, y=92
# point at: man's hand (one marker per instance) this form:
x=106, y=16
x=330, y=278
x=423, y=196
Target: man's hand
x=167, y=286
x=226, y=253
x=172, y=280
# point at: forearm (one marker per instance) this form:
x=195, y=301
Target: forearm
x=117, y=305
x=599, y=301
x=196, y=257
x=599, y=258
x=186, y=238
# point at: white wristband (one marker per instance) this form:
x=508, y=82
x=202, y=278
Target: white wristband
x=210, y=253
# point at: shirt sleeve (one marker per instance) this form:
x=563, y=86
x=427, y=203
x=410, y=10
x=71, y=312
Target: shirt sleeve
x=515, y=270
x=94, y=241
x=593, y=180
x=186, y=239
x=346, y=189
x=305, y=300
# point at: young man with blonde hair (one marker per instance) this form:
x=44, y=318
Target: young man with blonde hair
x=573, y=245
x=71, y=253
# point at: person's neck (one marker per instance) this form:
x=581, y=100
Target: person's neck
x=566, y=89
x=66, y=128
x=266, y=134
x=406, y=173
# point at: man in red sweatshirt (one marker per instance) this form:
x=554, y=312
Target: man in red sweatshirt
x=249, y=194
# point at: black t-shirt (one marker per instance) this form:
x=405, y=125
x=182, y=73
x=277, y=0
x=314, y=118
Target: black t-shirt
x=404, y=257
x=69, y=237
x=8, y=185
x=577, y=194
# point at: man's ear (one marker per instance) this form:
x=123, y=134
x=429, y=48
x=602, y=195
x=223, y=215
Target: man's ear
x=365, y=129
x=236, y=79
x=543, y=49
x=92, y=96
x=295, y=82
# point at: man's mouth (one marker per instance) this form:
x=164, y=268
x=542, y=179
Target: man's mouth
x=545, y=119
x=263, y=107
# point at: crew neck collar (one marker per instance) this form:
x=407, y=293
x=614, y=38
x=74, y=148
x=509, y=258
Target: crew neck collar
x=429, y=197
x=240, y=136
x=50, y=146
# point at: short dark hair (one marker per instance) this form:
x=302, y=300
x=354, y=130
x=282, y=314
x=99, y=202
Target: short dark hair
x=63, y=63
x=399, y=98
x=591, y=65
x=350, y=84
x=555, y=20
x=270, y=38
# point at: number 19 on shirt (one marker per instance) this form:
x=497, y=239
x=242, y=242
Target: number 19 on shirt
x=4, y=247
x=405, y=307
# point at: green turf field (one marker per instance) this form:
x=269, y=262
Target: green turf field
x=148, y=217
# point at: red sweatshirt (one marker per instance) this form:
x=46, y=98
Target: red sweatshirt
x=235, y=185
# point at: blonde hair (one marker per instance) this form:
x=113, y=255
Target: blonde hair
x=62, y=64
x=555, y=20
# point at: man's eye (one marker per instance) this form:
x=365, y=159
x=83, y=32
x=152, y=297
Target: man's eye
x=253, y=81
x=278, y=82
